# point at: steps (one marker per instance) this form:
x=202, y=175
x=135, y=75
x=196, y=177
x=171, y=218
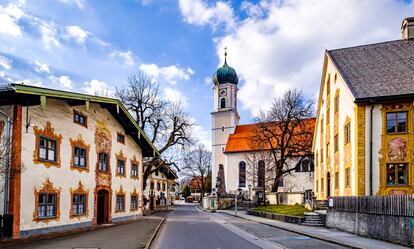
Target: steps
x=321, y=205
x=313, y=219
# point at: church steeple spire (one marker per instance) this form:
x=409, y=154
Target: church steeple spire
x=225, y=56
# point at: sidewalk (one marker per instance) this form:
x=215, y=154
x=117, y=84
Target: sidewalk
x=131, y=235
x=326, y=234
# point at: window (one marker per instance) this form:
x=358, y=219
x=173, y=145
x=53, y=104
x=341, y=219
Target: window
x=120, y=203
x=397, y=174
x=79, y=118
x=157, y=172
x=280, y=182
x=347, y=133
x=321, y=155
x=223, y=103
x=47, y=205
x=47, y=149
x=336, y=180
x=134, y=170
x=336, y=107
x=328, y=85
x=134, y=202
x=261, y=174
x=121, y=167
x=304, y=166
x=79, y=157
x=316, y=159
x=328, y=115
x=396, y=122
x=317, y=186
x=158, y=186
x=322, y=124
x=103, y=162
x=327, y=151
x=120, y=138
x=152, y=185
x=322, y=185
x=79, y=204
x=347, y=177
x=164, y=186
x=242, y=174
x=336, y=143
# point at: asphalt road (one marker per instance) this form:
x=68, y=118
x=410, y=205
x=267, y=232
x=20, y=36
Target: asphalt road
x=187, y=227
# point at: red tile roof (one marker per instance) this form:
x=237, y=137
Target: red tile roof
x=240, y=141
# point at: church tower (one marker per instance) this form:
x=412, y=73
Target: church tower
x=225, y=118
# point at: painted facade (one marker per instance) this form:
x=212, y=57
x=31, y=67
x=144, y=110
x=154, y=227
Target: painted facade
x=60, y=188
x=157, y=191
x=364, y=136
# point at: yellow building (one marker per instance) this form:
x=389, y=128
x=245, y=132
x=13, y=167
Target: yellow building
x=364, y=135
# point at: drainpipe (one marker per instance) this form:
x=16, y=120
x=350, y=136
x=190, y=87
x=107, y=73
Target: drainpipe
x=370, y=148
x=7, y=162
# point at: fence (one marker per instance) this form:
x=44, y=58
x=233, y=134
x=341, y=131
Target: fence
x=398, y=205
x=6, y=225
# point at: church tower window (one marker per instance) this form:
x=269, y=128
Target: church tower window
x=223, y=103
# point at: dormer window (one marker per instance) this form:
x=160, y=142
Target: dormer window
x=80, y=119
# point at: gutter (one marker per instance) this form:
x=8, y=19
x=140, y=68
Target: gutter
x=370, y=148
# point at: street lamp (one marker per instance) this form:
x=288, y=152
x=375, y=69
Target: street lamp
x=7, y=161
x=250, y=193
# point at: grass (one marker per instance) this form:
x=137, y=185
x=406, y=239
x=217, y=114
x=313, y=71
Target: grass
x=294, y=210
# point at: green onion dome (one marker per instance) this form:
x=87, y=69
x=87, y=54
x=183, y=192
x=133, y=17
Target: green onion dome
x=225, y=74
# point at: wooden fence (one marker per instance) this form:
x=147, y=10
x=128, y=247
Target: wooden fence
x=399, y=205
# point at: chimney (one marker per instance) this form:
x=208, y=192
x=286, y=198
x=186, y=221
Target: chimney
x=407, y=28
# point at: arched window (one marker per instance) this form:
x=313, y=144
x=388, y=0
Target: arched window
x=223, y=103
x=261, y=174
x=242, y=174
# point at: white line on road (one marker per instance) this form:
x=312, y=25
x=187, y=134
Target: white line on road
x=252, y=238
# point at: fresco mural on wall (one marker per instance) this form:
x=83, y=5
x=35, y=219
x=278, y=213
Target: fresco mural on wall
x=397, y=148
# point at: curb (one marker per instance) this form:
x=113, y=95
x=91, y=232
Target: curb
x=301, y=233
x=154, y=234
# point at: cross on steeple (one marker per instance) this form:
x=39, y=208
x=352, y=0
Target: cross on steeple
x=225, y=55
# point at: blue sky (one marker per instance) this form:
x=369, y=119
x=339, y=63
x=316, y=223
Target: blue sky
x=93, y=46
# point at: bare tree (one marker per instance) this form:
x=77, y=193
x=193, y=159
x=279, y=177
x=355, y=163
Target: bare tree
x=281, y=134
x=197, y=165
x=167, y=124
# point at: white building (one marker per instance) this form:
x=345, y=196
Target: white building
x=80, y=158
x=234, y=159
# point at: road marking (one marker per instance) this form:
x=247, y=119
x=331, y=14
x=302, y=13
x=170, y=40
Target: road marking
x=252, y=238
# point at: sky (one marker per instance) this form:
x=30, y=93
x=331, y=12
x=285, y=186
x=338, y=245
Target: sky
x=92, y=46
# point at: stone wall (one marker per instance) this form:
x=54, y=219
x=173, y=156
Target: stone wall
x=397, y=229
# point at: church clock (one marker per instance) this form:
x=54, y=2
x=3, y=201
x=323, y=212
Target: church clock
x=223, y=92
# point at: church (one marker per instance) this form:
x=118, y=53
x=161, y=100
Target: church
x=236, y=162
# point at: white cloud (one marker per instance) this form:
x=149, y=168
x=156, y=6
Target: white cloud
x=79, y=3
x=5, y=62
x=175, y=96
x=127, y=57
x=202, y=136
x=170, y=74
x=280, y=44
x=41, y=68
x=77, y=33
x=99, y=88
x=64, y=81
x=32, y=83
x=2, y=74
x=9, y=18
x=199, y=13
x=49, y=35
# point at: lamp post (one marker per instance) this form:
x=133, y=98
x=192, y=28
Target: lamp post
x=7, y=161
x=250, y=193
